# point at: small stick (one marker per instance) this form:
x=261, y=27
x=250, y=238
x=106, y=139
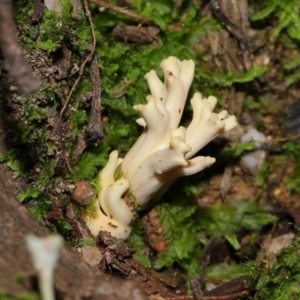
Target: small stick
x=197, y=284
x=120, y=10
x=227, y=297
x=205, y=257
x=36, y=16
x=196, y=288
x=94, y=132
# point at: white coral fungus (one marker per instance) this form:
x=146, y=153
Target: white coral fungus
x=163, y=152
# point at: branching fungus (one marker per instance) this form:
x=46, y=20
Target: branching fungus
x=163, y=152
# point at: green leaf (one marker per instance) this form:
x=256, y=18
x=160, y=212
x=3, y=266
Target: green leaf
x=164, y=260
x=262, y=174
x=158, y=12
x=292, y=79
x=89, y=162
x=86, y=241
x=9, y=156
x=12, y=162
x=230, y=78
x=232, y=239
x=234, y=151
x=179, y=230
x=255, y=223
x=265, y=12
x=29, y=193
x=16, y=166
x=292, y=63
x=225, y=219
x=294, y=181
x=225, y=271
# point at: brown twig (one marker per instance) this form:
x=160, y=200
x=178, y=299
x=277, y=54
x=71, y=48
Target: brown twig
x=88, y=58
x=197, y=284
x=37, y=12
x=35, y=19
x=13, y=59
x=94, y=132
x=230, y=290
x=196, y=288
x=220, y=297
x=120, y=10
x=227, y=297
x=206, y=254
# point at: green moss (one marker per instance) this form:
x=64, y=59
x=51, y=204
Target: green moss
x=277, y=277
x=85, y=242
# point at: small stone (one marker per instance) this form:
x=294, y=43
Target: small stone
x=83, y=193
x=91, y=255
x=252, y=161
x=274, y=245
x=277, y=192
x=53, y=5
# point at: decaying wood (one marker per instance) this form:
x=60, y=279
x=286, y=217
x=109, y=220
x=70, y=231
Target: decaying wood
x=118, y=260
x=14, y=61
x=230, y=47
x=233, y=289
x=37, y=11
x=73, y=278
x=232, y=14
x=136, y=34
x=93, y=134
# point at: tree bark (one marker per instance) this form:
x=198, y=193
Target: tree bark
x=14, y=61
x=73, y=278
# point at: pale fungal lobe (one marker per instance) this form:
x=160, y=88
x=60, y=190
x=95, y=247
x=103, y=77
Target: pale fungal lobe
x=111, y=212
x=163, y=152
x=44, y=254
